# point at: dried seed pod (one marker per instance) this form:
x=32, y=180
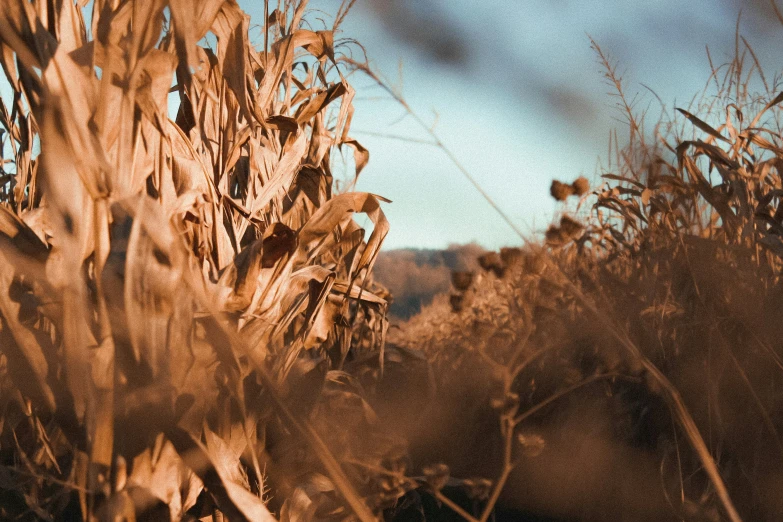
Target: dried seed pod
x=560, y=191
x=581, y=186
x=491, y=261
x=461, y=280
x=570, y=227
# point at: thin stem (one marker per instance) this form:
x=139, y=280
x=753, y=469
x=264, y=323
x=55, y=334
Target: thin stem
x=671, y=395
x=455, y=507
x=436, y=142
x=508, y=466
x=549, y=400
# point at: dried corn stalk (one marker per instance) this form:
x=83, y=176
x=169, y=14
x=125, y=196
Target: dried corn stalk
x=167, y=287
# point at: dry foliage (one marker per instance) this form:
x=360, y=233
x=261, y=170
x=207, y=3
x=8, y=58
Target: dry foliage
x=179, y=298
x=188, y=327
x=645, y=328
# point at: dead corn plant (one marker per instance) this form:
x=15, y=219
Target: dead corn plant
x=178, y=297
x=650, y=315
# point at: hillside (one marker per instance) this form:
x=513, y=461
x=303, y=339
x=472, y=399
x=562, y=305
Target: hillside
x=415, y=276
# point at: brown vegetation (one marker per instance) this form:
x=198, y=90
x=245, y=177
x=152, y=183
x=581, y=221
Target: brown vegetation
x=178, y=298
x=632, y=363
x=189, y=328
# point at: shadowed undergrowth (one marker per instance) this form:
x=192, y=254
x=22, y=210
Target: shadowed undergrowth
x=628, y=367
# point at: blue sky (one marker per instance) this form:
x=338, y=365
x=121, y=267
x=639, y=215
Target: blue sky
x=519, y=96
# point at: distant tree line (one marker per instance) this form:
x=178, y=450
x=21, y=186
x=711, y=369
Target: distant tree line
x=416, y=276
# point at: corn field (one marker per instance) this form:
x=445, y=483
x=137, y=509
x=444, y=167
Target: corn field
x=166, y=283
x=190, y=328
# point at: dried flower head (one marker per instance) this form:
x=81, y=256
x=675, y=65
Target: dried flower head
x=560, y=191
x=510, y=256
x=581, y=186
x=554, y=236
x=570, y=228
x=532, y=444
x=461, y=280
x=491, y=261
x=506, y=403
x=477, y=488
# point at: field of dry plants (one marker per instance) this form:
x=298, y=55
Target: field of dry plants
x=190, y=330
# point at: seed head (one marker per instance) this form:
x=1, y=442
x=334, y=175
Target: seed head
x=554, y=236
x=491, y=261
x=510, y=256
x=560, y=191
x=461, y=280
x=570, y=227
x=581, y=186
